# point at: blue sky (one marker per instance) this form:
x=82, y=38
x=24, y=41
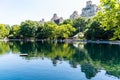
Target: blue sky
x=16, y=11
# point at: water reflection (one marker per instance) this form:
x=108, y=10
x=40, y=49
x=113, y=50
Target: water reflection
x=92, y=58
x=89, y=70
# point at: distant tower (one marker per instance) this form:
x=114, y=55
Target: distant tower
x=42, y=21
x=56, y=19
x=61, y=19
x=74, y=15
x=88, y=3
x=90, y=10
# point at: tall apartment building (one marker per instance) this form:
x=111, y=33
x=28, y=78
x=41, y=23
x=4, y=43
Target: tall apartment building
x=90, y=10
x=42, y=21
x=56, y=19
x=74, y=15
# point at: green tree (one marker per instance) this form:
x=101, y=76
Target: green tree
x=66, y=30
x=4, y=31
x=79, y=23
x=68, y=21
x=15, y=31
x=39, y=32
x=95, y=31
x=28, y=29
x=49, y=30
x=109, y=16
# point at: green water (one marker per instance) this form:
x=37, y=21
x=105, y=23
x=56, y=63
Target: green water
x=59, y=61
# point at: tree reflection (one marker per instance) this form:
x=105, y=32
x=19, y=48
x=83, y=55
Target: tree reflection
x=4, y=48
x=105, y=56
x=91, y=57
x=89, y=70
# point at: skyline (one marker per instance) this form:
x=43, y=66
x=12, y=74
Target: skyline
x=14, y=12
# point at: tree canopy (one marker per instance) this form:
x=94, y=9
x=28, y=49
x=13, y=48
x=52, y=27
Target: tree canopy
x=4, y=31
x=36, y=30
x=109, y=16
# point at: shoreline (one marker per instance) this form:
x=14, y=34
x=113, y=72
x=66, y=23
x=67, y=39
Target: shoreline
x=64, y=40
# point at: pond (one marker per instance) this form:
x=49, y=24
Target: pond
x=59, y=61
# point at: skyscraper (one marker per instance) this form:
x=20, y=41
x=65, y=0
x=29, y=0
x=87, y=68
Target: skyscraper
x=56, y=19
x=90, y=10
x=74, y=15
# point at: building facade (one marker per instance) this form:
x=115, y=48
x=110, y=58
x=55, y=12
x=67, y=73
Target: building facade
x=74, y=15
x=90, y=10
x=42, y=21
x=56, y=19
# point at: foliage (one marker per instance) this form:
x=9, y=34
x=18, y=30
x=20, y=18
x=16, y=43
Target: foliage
x=96, y=32
x=39, y=32
x=79, y=23
x=65, y=31
x=28, y=29
x=15, y=31
x=68, y=21
x=4, y=31
x=48, y=30
x=109, y=16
